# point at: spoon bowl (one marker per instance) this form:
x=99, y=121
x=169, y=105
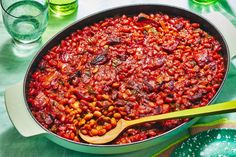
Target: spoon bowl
x=225, y=107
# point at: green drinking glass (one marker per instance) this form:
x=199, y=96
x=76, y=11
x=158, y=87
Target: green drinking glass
x=25, y=20
x=204, y=2
x=63, y=7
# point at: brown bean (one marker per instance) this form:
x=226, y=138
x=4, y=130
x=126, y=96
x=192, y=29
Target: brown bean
x=95, y=70
x=78, y=110
x=117, y=115
x=85, y=132
x=71, y=100
x=102, y=132
x=92, y=122
x=113, y=122
x=110, y=114
x=63, y=118
x=88, y=116
x=94, y=132
x=115, y=84
x=107, y=119
x=82, y=122
x=97, y=113
x=61, y=107
x=76, y=139
x=99, y=127
x=106, y=97
x=107, y=126
x=87, y=127
x=111, y=108
x=105, y=112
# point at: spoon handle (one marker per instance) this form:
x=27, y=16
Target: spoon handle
x=219, y=108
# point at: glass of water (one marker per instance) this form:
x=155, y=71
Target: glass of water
x=25, y=20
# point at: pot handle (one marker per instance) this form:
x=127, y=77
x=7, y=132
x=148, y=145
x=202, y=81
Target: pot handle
x=18, y=112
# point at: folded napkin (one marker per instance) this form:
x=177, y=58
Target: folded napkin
x=222, y=123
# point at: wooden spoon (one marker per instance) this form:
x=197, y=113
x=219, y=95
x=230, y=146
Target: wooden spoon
x=122, y=124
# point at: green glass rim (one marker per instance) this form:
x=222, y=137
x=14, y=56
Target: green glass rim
x=44, y=9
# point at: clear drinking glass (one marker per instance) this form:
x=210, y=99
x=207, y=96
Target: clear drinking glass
x=63, y=7
x=25, y=20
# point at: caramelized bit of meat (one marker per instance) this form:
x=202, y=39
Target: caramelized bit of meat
x=142, y=17
x=179, y=26
x=196, y=97
x=122, y=57
x=150, y=88
x=76, y=74
x=113, y=40
x=170, y=45
x=80, y=96
x=202, y=58
x=160, y=62
x=100, y=59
